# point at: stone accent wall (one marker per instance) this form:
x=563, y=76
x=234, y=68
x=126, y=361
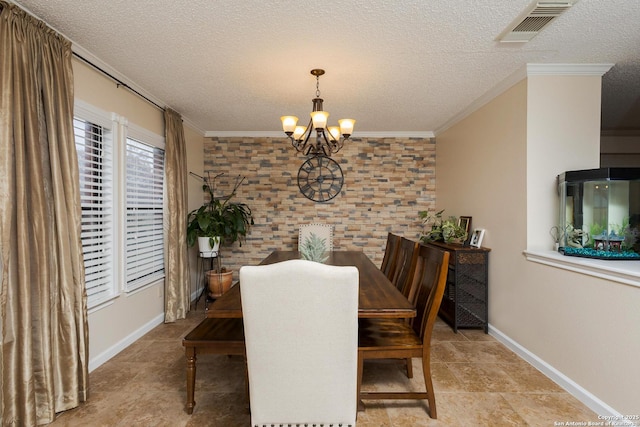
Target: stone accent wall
x=386, y=182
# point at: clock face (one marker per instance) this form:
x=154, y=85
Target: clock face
x=320, y=179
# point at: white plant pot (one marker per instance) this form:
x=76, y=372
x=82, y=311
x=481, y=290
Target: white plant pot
x=206, y=251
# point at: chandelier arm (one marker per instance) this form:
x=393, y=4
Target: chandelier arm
x=307, y=132
x=335, y=144
x=307, y=152
x=295, y=144
x=300, y=144
x=324, y=150
x=331, y=137
x=327, y=144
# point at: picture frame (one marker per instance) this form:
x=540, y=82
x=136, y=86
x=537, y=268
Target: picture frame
x=476, y=237
x=465, y=222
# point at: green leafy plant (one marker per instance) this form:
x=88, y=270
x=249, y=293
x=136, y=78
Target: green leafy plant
x=441, y=230
x=314, y=248
x=219, y=217
x=595, y=229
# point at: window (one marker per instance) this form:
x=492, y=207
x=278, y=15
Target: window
x=95, y=159
x=122, y=197
x=144, y=205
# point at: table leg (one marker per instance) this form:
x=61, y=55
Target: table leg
x=191, y=378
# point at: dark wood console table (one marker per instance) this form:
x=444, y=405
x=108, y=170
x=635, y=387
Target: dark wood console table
x=466, y=298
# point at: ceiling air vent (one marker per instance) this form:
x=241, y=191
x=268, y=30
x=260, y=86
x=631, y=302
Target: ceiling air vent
x=533, y=20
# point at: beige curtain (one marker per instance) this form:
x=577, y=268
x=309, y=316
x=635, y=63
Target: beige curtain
x=176, y=261
x=43, y=314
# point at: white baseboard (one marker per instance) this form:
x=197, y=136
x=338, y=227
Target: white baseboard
x=196, y=294
x=95, y=362
x=583, y=395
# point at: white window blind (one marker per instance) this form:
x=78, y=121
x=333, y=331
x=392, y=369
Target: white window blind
x=95, y=160
x=144, y=235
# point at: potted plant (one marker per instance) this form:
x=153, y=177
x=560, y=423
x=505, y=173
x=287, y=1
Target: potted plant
x=447, y=230
x=218, y=222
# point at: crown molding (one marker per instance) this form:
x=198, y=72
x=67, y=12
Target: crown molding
x=527, y=70
x=567, y=69
x=280, y=134
x=391, y=134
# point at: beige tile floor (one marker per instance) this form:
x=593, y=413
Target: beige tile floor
x=478, y=382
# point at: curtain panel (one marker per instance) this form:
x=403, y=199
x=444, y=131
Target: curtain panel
x=177, y=295
x=43, y=313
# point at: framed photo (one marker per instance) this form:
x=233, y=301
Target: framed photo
x=476, y=237
x=465, y=222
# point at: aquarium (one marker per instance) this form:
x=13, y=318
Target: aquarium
x=599, y=213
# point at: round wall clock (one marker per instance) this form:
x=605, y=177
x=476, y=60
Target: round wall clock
x=320, y=178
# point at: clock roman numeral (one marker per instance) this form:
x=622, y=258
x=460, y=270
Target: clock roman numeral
x=307, y=167
x=308, y=190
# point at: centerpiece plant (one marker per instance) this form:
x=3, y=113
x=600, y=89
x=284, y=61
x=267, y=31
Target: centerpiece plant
x=446, y=230
x=314, y=248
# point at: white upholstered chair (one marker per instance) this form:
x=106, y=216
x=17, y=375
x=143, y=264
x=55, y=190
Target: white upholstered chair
x=323, y=231
x=301, y=336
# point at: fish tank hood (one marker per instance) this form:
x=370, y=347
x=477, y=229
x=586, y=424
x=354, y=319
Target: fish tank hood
x=599, y=213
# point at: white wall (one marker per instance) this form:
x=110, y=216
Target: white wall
x=563, y=134
x=126, y=318
x=499, y=165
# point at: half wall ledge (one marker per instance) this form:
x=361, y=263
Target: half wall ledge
x=627, y=272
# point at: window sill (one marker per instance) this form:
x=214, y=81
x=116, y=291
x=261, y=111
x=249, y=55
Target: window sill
x=102, y=304
x=142, y=286
x=627, y=272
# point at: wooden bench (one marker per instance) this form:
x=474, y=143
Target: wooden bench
x=212, y=336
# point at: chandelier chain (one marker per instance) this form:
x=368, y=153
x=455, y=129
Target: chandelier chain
x=317, y=86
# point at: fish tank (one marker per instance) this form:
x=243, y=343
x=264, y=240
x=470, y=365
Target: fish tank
x=599, y=213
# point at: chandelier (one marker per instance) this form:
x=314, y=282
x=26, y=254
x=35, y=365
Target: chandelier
x=328, y=140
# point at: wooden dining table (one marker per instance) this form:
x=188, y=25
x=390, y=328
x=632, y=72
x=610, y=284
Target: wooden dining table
x=378, y=297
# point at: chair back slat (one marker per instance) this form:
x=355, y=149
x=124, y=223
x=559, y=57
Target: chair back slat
x=430, y=279
x=406, y=258
x=390, y=254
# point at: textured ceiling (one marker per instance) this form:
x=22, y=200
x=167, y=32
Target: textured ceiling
x=404, y=65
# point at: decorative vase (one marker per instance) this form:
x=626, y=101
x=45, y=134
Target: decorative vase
x=206, y=250
x=219, y=283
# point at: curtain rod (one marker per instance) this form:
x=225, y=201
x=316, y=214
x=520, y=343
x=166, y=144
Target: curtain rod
x=118, y=81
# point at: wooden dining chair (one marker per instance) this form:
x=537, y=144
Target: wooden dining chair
x=390, y=253
x=323, y=231
x=404, y=264
x=301, y=334
x=391, y=338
